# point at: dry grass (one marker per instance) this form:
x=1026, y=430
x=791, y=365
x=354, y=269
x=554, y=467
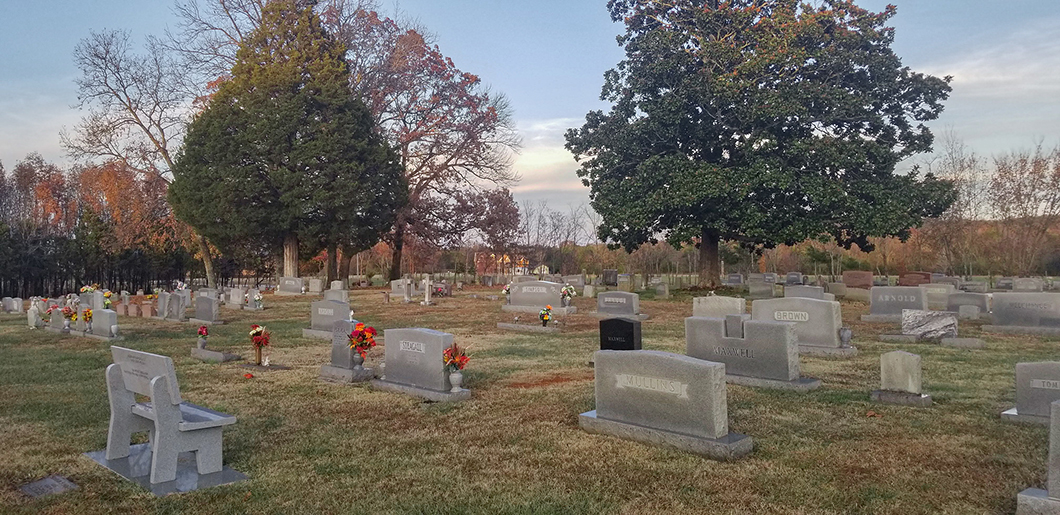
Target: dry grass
x=312, y=447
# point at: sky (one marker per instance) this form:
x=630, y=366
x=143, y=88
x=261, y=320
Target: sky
x=548, y=58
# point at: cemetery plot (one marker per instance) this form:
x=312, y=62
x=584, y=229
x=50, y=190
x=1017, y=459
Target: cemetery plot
x=414, y=365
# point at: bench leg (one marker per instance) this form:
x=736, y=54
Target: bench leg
x=120, y=430
x=164, y=452
x=208, y=451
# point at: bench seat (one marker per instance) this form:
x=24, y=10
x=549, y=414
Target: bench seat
x=193, y=416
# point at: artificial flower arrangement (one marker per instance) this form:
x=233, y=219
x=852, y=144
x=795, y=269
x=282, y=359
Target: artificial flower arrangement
x=567, y=292
x=69, y=313
x=88, y=288
x=180, y=286
x=455, y=358
x=149, y=297
x=258, y=297
x=546, y=315
x=106, y=299
x=87, y=315
x=260, y=338
x=204, y=333
x=507, y=289
x=362, y=338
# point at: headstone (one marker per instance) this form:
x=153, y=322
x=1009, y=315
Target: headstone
x=888, y=302
x=252, y=304
x=236, y=298
x=337, y=295
x=914, y=278
x=56, y=321
x=338, y=285
x=734, y=279
x=290, y=286
x=577, y=281
x=760, y=290
x=665, y=399
x=620, y=334
x=716, y=306
x=929, y=325
x=610, y=277
x=121, y=309
x=316, y=285
x=323, y=315
x=176, y=308
x=625, y=282
x=817, y=322
x=1035, y=501
x=857, y=279
x=104, y=323
x=793, y=278
x=530, y=297
x=428, y=289
x=1037, y=387
x=414, y=365
x=618, y=303
x=980, y=300
x=33, y=319
x=808, y=292
x=98, y=300
x=953, y=281
x=1035, y=312
x=937, y=294
x=968, y=312
x=50, y=485
x=975, y=287
x=162, y=307
x=662, y=290
x=1032, y=284
x=756, y=277
x=766, y=354
x=900, y=380
x=399, y=286
x=1005, y=283
x=770, y=277
x=343, y=367
x=207, y=311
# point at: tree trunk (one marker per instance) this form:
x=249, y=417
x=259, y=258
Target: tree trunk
x=207, y=261
x=344, y=264
x=709, y=259
x=332, y=268
x=399, y=244
x=290, y=255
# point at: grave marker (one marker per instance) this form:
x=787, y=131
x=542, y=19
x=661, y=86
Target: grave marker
x=620, y=334
x=323, y=315
x=716, y=306
x=888, y=302
x=755, y=352
x=346, y=365
x=1037, y=387
x=901, y=380
x=414, y=366
x=817, y=323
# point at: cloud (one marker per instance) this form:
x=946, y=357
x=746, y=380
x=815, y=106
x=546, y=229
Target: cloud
x=544, y=164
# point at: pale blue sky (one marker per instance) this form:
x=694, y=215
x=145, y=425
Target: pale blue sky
x=549, y=56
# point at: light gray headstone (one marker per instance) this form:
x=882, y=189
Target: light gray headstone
x=33, y=319
x=716, y=306
x=809, y=292
x=929, y=324
x=1037, y=386
x=760, y=290
x=316, y=285
x=662, y=391
x=937, y=294
x=767, y=350
x=414, y=357
x=338, y=285
x=1031, y=284
x=536, y=293
x=103, y=321
x=618, y=303
x=968, y=312
x=206, y=308
x=958, y=299
x=793, y=278
x=290, y=285
x=337, y=295
x=1026, y=309
x=975, y=287
x=324, y=314
x=817, y=322
x=900, y=371
x=734, y=279
x=891, y=300
x=235, y=297
x=341, y=353
x=577, y=281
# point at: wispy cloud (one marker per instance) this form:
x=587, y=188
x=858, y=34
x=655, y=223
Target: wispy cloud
x=543, y=163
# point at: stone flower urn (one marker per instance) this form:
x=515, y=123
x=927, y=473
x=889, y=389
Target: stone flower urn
x=358, y=361
x=456, y=379
x=201, y=343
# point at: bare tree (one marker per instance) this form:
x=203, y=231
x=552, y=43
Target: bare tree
x=1025, y=196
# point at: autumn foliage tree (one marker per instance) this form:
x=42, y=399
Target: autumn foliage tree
x=760, y=121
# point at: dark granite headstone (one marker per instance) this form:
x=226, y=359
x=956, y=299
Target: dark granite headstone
x=619, y=334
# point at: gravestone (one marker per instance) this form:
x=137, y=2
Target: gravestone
x=121, y=309
x=337, y=295
x=236, y=298
x=610, y=277
x=344, y=366
x=323, y=315
x=338, y=285
x=664, y=399
x=1037, y=387
x=756, y=277
x=1025, y=312
x=611, y=303
x=577, y=281
x=207, y=311
x=914, y=278
x=979, y=300
x=808, y=292
x=817, y=323
x=253, y=305
x=33, y=318
x=1035, y=501
x=953, y=281
x=56, y=323
x=900, y=380
x=414, y=366
x=105, y=324
x=176, y=309
x=524, y=278
x=1032, y=284
x=619, y=334
x=50, y=485
x=716, y=306
x=755, y=352
x=975, y=287
x=888, y=302
x=760, y=290
x=1004, y=283
x=162, y=307
x=937, y=294
x=532, y=296
x=793, y=278
x=770, y=278
x=316, y=286
x=589, y=291
x=400, y=286
x=202, y=353
x=625, y=282
x=857, y=279
x=98, y=300
x=734, y=279
x=662, y=290
x=290, y=286
x=929, y=325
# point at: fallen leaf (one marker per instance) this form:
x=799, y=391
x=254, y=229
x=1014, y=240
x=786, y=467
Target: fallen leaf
x=873, y=414
x=248, y=375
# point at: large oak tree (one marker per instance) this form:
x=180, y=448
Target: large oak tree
x=284, y=151
x=760, y=121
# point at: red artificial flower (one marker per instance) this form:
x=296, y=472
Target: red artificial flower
x=248, y=375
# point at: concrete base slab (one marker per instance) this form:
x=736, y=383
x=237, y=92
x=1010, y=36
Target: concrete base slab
x=901, y=398
x=898, y=338
x=346, y=375
x=314, y=333
x=730, y=447
x=137, y=468
x=528, y=328
x=964, y=343
x=206, y=322
x=232, y=306
x=1012, y=415
x=213, y=356
x=54, y=330
x=279, y=293
x=638, y=316
x=1035, y=501
x=801, y=385
x=881, y=318
x=95, y=336
x=248, y=308
x=423, y=393
x=263, y=368
x=837, y=352
x=537, y=309
x=1016, y=329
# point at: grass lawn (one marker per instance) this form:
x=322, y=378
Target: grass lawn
x=515, y=447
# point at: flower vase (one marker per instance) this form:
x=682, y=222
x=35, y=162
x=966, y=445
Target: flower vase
x=201, y=343
x=66, y=325
x=88, y=327
x=508, y=298
x=358, y=361
x=566, y=302
x=257, y=356
x=114, y=331
x=456, y=379
x=544, y=323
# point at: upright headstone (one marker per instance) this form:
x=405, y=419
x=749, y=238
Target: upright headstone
x=236, y=298
x=577, y=281
x=105, y=324
x=610, y=277
x=176, y=308
x=979, y=300
x=1031, y=284
x=975, y=287
x=857, y=279
x=290, y=286
x=938, y=294
x=625, y=282
x=817, y=323
x=662, y=290
x=337, y=295
x=338, y=285
x=323, y=315
x=428, y=289
x=760, y=290
x=734, y=280
x=414, y=365
x=793, y=278
x=900, y=380
x=914, y=278
x=33, y=318
x=755, y=352
x=620, y=334
x=717, y=306
x=1025, y=312
x=1005, y=283
x=346, y=365
x=1035, y=501
x=611, y=303
x=207, y=311
x=252, y=303
x=1037, y=386
x=664, y=399
x=530, y=297
x=889, y=301
x=808, y=292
